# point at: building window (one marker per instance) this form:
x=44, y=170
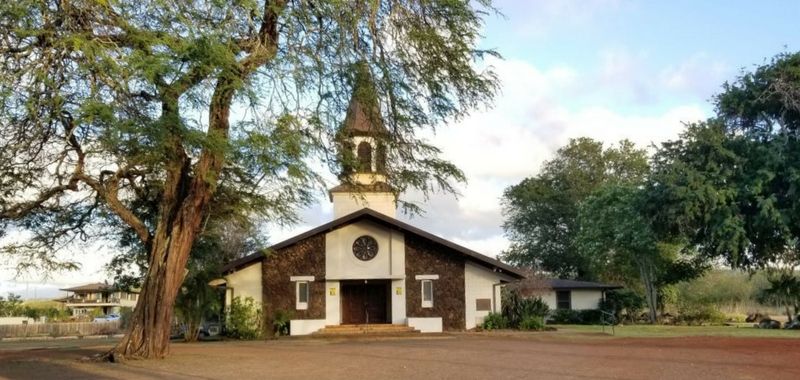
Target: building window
x=563, y=300
x=427, y=293
x=364, y=157
x=302, y=295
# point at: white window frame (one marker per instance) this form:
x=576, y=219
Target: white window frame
x=426, y=303
x=298, y=304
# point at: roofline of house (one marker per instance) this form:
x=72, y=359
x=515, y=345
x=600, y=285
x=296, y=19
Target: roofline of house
x=494, y=264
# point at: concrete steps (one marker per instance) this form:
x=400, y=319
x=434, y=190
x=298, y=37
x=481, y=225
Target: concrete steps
x=371, y=329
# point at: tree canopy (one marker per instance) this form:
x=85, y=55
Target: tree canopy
x=731, y=183
x=133, y=118
x=541, y=211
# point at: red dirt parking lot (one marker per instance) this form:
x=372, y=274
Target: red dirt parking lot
x=459, y=356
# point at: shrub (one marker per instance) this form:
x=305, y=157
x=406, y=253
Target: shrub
x=281, y=322
x=516, y=308
x=533, y=323
x=698, y=315
x=243, y=319
x=590, y=317
x=495, y=321
x=565, y=317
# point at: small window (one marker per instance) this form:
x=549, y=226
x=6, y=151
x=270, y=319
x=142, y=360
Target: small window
x=302, y=295
x=563, y=300
x=364, y=157
x=427, y=293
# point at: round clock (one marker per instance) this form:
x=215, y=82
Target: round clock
x=365, y=248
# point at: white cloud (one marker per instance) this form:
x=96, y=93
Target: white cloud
x=700, y=74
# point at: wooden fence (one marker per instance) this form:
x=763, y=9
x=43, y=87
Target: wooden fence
x=60, y=329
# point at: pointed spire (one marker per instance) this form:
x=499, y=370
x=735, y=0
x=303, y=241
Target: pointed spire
x=363, y=113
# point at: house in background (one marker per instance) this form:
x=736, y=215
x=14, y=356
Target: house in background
x=84, y=298
x=573, y=295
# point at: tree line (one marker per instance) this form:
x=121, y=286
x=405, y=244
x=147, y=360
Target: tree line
x=724, y=193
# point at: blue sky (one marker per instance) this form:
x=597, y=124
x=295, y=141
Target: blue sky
x=599, y=68
x=654, y=35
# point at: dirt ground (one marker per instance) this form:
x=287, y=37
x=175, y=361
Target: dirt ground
x=460, y=356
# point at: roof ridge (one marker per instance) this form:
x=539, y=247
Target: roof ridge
x=386, y=219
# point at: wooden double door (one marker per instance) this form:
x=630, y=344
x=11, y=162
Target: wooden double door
x=365, y=302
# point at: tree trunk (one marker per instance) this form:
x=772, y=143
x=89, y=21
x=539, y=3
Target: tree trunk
x=651, y=293
x=148, y=334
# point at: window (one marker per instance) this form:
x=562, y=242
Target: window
x=563, y=300
x=302, y=295
x=427, y=293
x=364, y=157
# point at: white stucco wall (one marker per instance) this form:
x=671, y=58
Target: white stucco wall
x=347, y=203
x=426, y=325
x=479, y=282
x=333, y=313
x=582, y=299
x=305, y=326
x=243, y=283
x=398, y=300
x=341, y=264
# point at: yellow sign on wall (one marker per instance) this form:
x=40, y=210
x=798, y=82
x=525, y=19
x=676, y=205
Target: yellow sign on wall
x=398, y=291
x=332, y=291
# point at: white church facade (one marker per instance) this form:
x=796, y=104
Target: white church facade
x=366, y=266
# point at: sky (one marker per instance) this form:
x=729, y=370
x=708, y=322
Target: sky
x=604, y=69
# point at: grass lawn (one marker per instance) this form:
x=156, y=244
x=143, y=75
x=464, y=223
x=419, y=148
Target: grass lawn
x=655, y=331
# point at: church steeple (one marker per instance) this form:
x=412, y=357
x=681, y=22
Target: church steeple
x=362, y=152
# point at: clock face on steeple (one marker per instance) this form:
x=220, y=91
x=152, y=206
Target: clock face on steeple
x=365, y=248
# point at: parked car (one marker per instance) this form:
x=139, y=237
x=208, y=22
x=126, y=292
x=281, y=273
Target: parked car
x=107, y=318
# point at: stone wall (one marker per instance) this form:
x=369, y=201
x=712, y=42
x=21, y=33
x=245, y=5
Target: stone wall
x=424, y=257
x=305, y=258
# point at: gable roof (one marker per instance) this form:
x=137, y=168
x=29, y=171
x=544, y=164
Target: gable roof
x=559, y=284
x=94, y=287
x=385, y=220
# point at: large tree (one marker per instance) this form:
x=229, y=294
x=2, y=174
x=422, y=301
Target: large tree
x=112, y=107
x=617, y=236
x=731, y=183
x=541, y=211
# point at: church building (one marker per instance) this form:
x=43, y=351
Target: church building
x=366, y=266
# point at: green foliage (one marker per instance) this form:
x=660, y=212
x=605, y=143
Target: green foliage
x=11, y=306
x=564, y=317
x=699, y=315
x=730, y=183
x=495, y=321
x=720, y=288
x=243, y=319
x=541, y=212
x=54, y=314
x=32, y=313
x=149, y=95
x=516, y=308
x=625, y=304
x=783, y=291
x=96, y=312
x=281, y=322
x=618, y=236
x=532, y=323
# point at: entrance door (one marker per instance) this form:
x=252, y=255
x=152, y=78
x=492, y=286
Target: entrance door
x=364, y=303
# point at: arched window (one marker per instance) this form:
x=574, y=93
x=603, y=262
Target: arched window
x=364, y=157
